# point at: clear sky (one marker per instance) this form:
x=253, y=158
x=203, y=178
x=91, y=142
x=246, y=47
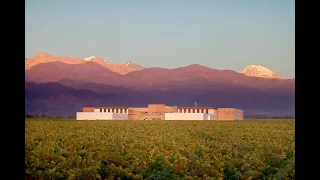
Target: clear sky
x=221, y=34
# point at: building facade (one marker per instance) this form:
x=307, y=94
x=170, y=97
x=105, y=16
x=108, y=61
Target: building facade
x=159, y=112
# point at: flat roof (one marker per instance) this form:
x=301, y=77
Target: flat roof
x=116, y=107
x=107, y=107
x=197, y=108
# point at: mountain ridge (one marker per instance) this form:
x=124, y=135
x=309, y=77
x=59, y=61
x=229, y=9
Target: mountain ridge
x=46, y=58
x=59, y=88
x=129, y=66
x=149, y=77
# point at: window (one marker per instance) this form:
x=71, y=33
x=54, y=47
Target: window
x=143, y=113
x=100, y=110
x=156, y=113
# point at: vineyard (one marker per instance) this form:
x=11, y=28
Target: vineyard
x=248, y=149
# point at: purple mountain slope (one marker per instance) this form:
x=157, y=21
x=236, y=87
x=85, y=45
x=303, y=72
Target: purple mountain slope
x=66, y=88
x=149, y=78
x=99, y=88
x=57, y=99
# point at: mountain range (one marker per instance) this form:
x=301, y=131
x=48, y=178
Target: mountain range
x=118, y=68
x=58, y=85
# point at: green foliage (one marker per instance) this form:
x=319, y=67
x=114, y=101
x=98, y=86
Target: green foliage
x=248, y=149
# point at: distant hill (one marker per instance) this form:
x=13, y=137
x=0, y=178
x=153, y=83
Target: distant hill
x=88, y=71
x=150, y=78
x=99, y=88
x=55, y=99
x=59, y=100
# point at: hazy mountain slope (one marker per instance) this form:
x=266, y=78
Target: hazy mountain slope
x=59, y=100
x=88, y=71
x=46, y=58
x=152, y=78
x=56, y=99
x=162, y=78
x=91, y=83
x=99, y=88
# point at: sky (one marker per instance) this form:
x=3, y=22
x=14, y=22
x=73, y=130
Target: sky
x=220, y=34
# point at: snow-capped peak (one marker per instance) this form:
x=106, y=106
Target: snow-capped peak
x=94, y=57
x=90, y=58
x=259, y=71
x=133, y=65
x=128, y=63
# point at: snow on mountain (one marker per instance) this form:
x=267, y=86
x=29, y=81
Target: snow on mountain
x=259, y=71
x=133, y=65
x=90, y=58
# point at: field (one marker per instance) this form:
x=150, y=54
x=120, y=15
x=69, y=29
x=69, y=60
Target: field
x=248, y=149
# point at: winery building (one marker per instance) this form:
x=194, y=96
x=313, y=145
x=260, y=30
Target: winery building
x=159, y=112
